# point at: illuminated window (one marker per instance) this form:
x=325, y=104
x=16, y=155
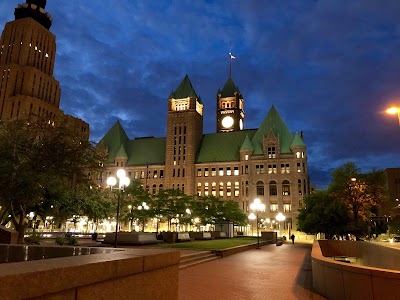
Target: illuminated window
x=287, y=207
x=285, y=188
x=298, y=168
x=285, y=169
x=221, y=172
x=205, y=172
x=236, y=171
x=260, y=169
x=199, y=189
x=213, y=172
x=206, y=189
x=273, y=207
x=272, y=169
x=221, y=189
x=298, y=154
x=246, y=157
x=214, y=189
x=228, y=171
x=228, y=189
x=198, y=172
x=237, y=189
x=271, y=152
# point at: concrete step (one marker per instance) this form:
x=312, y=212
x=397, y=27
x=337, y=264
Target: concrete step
x=190, y=260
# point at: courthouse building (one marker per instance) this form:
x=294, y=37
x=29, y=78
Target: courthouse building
x=28, y=88
x=269, y=162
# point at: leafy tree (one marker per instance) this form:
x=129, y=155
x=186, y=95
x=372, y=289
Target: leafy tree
x=323, y=214
x=38, y=160
x=363, y=194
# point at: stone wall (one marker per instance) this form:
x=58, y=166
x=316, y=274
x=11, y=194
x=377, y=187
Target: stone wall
x=129, y=274
x=377, y=277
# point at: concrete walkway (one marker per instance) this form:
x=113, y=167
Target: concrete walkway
x=271, y=272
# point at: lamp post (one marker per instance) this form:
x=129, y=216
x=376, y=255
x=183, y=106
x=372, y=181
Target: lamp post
x=394, y=110
x=144, y=206
x=252, y=217
x=257, y=206
x=123, y=182
x=280, y=217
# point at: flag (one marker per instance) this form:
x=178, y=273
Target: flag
x=232, y=57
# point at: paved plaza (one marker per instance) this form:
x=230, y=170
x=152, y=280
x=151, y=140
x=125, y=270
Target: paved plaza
x=271, y=272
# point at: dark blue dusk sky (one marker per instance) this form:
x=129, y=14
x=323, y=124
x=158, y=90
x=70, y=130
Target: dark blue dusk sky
x=331, y=68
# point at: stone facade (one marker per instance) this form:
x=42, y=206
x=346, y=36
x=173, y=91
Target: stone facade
x=269, y=163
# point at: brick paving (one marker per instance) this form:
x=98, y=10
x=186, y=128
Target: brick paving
x=271, y=272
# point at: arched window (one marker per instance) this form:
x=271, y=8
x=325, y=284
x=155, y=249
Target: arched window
x=272, y=188
x=153, y=191
x=286, y=188
x=161, y=187
x=260, y=188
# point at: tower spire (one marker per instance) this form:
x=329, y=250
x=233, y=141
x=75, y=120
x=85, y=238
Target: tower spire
x=34, y=9
x=230, y=63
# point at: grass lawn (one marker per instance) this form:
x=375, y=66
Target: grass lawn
x=211, y=244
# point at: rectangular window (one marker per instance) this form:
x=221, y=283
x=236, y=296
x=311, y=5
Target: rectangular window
x=228, y=189
x=271, y=152
x=155, y=175
x=199, y=189
x=161, y=173
x=247, y=189
x=213, y=172
x=221, y=172
x=198, y=172
x=285, y=169
x=141, y=174
x=205, y=172
x=298, y=167
x=221, y=189
x=136, y=176
x=236, y=171
x=237, y=188
x=260, y=169
x=287, y=207
x=214, y=189
x=273, y=207
x=246, y=157
x=206, y=189
x=228, y=171
x=246, y=169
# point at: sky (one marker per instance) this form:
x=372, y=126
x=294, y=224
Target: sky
x=330, y=67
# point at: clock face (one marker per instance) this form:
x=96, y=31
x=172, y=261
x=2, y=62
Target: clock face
x=241, y=124
x=227, y=122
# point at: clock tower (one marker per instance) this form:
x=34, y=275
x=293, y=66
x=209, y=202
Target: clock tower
x=230, y=108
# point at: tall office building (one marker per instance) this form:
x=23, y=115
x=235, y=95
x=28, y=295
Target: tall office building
x=28, y=88
x=269, y=162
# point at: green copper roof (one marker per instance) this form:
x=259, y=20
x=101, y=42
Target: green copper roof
x=113, y=140
x=146, y=151
x=184, y=90
x=121, y=152
x=272, y=121
x=247, y=145
x=220, y=147
x=229, y=89
x=297, y=141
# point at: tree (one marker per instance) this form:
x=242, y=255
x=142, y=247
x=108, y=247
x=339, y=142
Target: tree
x=363, y=194
x=38, y=160
x=323, y=214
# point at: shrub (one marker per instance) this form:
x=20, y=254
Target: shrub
x=34, y=239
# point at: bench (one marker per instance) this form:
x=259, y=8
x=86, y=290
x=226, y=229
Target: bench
x=183, y=237
x=219, y=234
x=200, y=235
x=133, y=238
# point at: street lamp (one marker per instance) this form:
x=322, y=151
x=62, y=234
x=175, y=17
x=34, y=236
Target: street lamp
x=257, y=206
x=394, y=110
x=144, y=206
x=280, y=217
x=130, y=217
x=252, y=217
x=123, y=182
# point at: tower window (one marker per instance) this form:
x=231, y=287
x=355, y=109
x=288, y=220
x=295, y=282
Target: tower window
x=271, y=152
x=260, y=188
x=285, y=188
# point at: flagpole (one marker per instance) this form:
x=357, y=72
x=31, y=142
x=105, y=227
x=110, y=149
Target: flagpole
x=230, y=65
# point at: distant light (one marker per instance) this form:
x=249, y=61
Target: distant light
x=392, y=110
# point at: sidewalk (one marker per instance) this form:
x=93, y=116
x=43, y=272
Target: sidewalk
x=271, y=272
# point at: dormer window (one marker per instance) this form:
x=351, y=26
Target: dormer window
x=271, y=151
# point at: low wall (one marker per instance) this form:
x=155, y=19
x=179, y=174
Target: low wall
x=133, y=238
x=376, y=277
x=128, y=274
